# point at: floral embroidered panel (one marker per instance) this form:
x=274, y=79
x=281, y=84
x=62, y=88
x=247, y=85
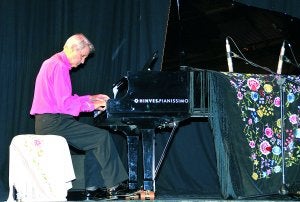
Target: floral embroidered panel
x=250, y=138
x=259, y=100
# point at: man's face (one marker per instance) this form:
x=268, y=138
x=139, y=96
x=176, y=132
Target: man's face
x=78, y=56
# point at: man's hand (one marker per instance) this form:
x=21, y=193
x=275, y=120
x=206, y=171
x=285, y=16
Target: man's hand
x=100, y=105
x=99, y=97
x=99, y=101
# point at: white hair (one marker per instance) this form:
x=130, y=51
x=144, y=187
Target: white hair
x=80, y=41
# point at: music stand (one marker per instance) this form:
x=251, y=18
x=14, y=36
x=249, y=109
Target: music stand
x=281, y=81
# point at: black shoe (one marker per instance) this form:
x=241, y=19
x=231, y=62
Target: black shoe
x=96, y=194
x=121, y=189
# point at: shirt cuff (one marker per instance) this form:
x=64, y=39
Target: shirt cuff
x=86, y=104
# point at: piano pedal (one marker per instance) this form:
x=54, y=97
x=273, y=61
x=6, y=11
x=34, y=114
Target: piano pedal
x=132, y=197
x=138, y=195
x=147, y=195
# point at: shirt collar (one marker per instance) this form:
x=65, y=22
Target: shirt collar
x=64, y=59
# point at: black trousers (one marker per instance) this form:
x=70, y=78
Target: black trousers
x=103, y=166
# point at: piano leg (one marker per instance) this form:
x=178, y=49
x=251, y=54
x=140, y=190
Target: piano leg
x=148, y=142
x=132, y=155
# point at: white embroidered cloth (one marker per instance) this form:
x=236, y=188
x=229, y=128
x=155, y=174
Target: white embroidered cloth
x=40, y=168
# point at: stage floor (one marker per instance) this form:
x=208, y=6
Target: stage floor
x=78, y=196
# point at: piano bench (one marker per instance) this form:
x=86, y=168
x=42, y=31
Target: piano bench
x=40, y=168
x=78, y=157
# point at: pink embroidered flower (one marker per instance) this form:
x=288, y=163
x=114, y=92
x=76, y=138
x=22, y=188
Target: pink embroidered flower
x=252, y=144
x=265, y=147
x=37, y=142
x=277, y=102
x=240, y=95
x=269, y=132
x=253, y=84
x=250, y=121
x=293, y=119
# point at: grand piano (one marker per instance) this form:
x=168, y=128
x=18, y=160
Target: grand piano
x=143, y=102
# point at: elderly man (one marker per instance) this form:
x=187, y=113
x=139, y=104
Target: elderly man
x=54, y=107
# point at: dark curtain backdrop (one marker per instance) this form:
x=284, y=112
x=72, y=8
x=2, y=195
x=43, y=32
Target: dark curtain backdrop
x=125, y=34
x=190, y=167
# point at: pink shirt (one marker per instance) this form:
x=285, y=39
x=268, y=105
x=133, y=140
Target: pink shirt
x=53, y=89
